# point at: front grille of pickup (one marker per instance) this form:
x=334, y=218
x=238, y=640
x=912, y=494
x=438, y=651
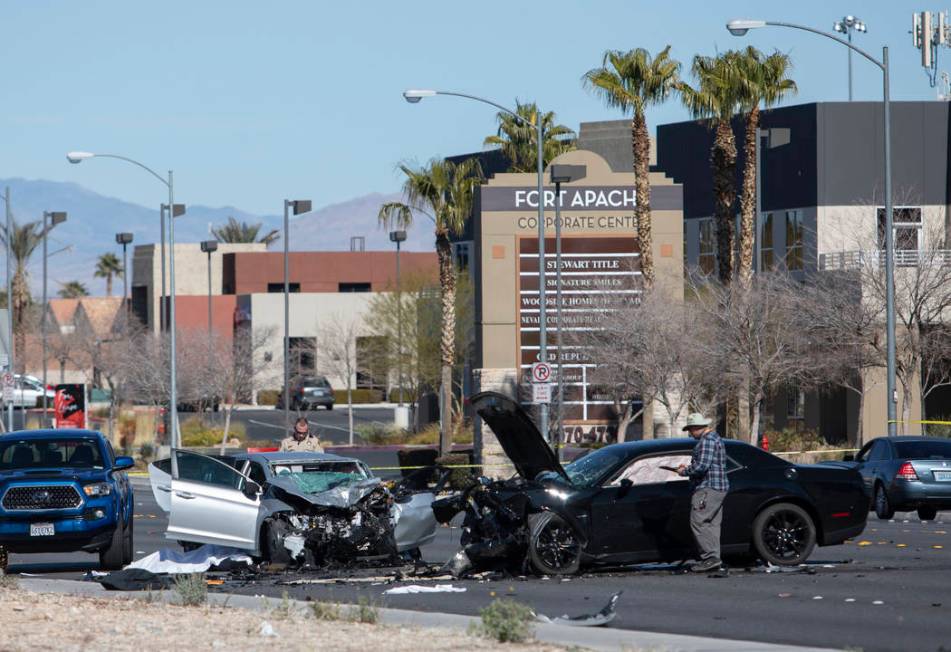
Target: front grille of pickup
x=44, y=497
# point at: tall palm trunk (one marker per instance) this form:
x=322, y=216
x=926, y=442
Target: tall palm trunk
x=447, y=345
x=748, y=198
x=640, y=145
x=108, y=285
x=21, y=299
x=723, y=166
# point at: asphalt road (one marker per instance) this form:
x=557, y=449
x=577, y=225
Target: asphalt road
x=903, y=564
x=329, y=425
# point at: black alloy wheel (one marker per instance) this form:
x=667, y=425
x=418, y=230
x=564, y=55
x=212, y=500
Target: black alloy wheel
x=784, y=534
x=883, y=506
x=927, y=512
x=554, y=547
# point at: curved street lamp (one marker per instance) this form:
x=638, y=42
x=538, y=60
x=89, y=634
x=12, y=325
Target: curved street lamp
x=739, y=27
x=413, y=96
x=79, y=157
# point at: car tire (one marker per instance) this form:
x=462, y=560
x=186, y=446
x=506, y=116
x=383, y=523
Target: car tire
x=784, y=534
x=554, y=548
x=330, y=407
x=927, y=513
x=128, y=552
x=110, y=557
x=272, y=543
x=883, y=506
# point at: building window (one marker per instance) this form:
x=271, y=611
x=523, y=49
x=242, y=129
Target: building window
x=795, y=402
x=353, y=287
x=707, y=258
x=794, y=240
x=906, y=223
x=303, y=356
x=766, y=243
x=461, y=252
x=371, y=363
x=278, y=288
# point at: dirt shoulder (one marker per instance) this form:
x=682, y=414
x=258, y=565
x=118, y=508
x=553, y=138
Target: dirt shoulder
x=46, y=621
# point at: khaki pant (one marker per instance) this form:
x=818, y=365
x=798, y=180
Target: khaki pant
x=706, y=513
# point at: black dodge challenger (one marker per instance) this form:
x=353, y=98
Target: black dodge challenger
x=624, y=504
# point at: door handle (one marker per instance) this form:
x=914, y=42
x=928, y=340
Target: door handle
x=164, y=488
x=185, y=495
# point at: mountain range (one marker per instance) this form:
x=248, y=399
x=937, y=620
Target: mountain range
x=94, y=219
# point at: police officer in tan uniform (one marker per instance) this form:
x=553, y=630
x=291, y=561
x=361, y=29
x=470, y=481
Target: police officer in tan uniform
x=301, y=439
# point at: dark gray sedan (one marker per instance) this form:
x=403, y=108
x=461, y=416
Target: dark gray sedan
x=906, y=473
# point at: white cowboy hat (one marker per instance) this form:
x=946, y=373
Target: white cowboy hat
x=695, y=420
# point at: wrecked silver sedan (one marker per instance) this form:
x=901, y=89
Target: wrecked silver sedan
x=291, y=508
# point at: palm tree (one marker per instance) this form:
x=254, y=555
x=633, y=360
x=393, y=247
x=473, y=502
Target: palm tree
x=764, y=81
x=718, y=96
x=518, y=139
x=443, y=190
x=632, y=81
x=107, y=266
x=235, y=231
x=73, y=290
x=24, y=239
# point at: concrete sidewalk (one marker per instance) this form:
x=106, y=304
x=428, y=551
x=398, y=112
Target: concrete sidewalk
x=594, y=638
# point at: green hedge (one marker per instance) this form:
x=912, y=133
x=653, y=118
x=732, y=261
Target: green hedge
x=359, y=396
x=409, y=396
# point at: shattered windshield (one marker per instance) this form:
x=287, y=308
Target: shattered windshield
x=317, y=477
x=587, y=471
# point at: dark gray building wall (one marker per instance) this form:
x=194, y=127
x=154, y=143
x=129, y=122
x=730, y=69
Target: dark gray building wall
x=834, y=156
x=851, y=153
x=611, y=140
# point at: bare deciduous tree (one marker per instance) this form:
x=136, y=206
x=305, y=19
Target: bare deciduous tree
x=337, y=356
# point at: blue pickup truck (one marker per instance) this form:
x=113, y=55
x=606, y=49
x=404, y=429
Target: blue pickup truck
x=63, y=491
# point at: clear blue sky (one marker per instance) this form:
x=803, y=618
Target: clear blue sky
x=250, y=102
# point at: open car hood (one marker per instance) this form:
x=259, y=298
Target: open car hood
x=519, y=437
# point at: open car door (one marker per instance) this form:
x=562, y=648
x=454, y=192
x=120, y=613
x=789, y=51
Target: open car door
x=211, y=502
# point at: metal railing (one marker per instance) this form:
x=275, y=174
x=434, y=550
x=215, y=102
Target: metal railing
x=843, y=260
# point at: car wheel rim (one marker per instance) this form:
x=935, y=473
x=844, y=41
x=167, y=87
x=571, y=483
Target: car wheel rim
x=557, y=545
x=786, y=534
x=881, y=502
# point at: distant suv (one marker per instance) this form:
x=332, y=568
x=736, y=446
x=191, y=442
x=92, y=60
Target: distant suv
x=63, y=491
x=308, y=393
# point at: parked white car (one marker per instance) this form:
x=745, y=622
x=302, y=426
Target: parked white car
x=311, y=508
x=28, y=392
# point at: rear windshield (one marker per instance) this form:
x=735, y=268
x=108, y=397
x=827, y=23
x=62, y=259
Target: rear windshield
x=318, y=381
x=924, y=450
x=47, y=453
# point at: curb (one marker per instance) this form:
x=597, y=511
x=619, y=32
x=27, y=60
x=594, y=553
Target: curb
x=594, y=638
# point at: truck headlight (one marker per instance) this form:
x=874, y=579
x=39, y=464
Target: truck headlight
x=97, y=489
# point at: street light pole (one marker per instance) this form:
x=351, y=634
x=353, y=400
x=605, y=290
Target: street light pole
x=50, y=219
x=741, y=27
x=124, y=239
x=162, y=317
x=173, y=212
x=209, y=246
x=846, y=26
x=10, y=346
x=298, y=206
x=414, y=96
x=398, y=237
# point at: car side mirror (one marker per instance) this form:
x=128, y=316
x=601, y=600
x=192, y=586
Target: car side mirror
x=848, y=457
x=252, y=489
x=625, y=484
x=122, y=463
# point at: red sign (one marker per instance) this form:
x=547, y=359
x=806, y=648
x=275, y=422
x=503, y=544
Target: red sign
x=69, y=406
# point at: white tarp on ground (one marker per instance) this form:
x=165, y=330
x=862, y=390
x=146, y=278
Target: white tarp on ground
x=199, y=560
x=416, y=588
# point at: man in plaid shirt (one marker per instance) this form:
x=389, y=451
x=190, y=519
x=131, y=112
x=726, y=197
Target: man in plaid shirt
x=707, y=473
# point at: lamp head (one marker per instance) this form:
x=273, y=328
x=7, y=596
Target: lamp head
x=57, y=217
x=414, y=95
x=78, y=157
x=123, y=238
x=740, y=26
x=209, y=246
x=397, y=236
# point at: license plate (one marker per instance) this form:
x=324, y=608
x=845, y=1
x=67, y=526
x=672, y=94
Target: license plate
x=942, y=476
x=42, y=530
